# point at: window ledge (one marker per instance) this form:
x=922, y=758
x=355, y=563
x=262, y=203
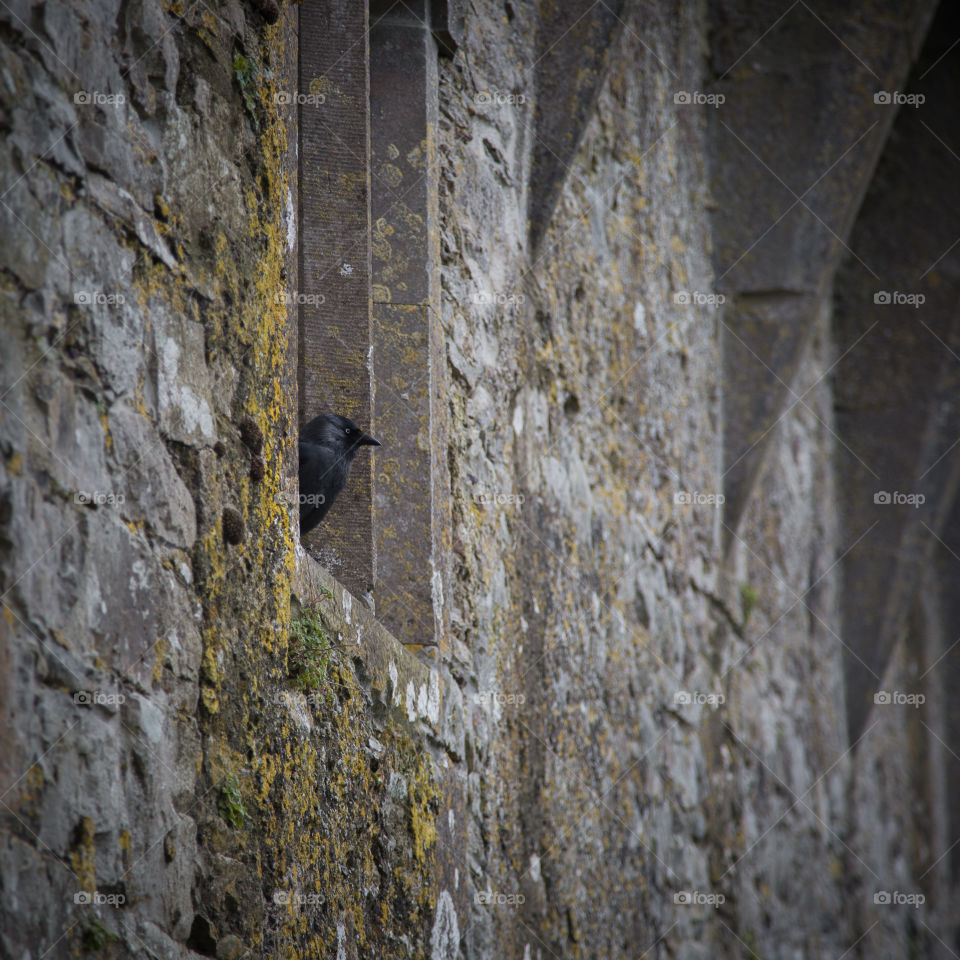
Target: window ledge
x=396, y=677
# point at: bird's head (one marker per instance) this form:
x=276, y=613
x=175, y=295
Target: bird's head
x=341, y=433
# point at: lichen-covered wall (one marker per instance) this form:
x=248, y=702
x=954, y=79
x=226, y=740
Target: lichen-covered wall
x=585, y=592
x=633, y=741
x=655, y=702
x=169, y=787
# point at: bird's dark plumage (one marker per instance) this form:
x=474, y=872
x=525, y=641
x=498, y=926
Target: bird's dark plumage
x=328, y=444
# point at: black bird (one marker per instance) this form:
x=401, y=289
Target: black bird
x=328, y=444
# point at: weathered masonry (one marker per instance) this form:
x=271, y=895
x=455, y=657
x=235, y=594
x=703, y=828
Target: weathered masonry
x=637, y=636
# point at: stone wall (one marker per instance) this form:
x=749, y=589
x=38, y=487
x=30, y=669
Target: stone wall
x=581, y=408
x=635, y=739
x=173, y=783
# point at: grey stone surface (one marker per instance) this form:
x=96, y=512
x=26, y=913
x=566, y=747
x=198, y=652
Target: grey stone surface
x=633, y=740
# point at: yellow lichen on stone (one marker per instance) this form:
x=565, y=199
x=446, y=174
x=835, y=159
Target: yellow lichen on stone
x=83, y=856
x=424, y=802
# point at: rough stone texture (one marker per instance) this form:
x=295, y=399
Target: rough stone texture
x=633, y=738
x=592, y=392
x=167, y=789
x=585, y=606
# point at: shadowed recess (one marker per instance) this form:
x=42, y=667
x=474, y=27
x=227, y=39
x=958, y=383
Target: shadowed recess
x=572, y=44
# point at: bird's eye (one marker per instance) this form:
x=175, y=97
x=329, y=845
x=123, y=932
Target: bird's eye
x=347, y=431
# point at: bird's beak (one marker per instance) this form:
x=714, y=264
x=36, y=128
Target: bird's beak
x=367, y=441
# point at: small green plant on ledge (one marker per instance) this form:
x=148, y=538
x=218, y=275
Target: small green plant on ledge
x=748, y=601
x=231, y=802
x=246, y=74
x=309, y=652
x=749, y=941
x=95, y=935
